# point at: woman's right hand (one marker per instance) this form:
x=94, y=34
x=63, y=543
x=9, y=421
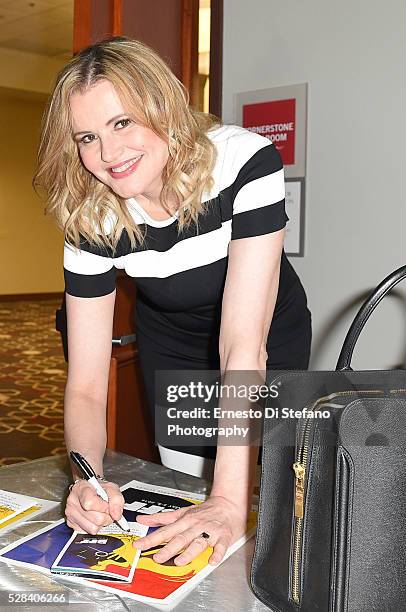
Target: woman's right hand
x=86, y=511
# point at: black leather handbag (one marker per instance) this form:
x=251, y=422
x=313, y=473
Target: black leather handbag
x=332, y=515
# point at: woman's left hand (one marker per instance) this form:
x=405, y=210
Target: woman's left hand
x=218, y=517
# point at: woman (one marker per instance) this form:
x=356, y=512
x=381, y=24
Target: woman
x=194, y=211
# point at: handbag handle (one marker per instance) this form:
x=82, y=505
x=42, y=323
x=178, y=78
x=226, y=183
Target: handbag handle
x=362, y=316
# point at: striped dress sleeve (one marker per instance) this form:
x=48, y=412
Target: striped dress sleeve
x=89, y=271
x=259, y=195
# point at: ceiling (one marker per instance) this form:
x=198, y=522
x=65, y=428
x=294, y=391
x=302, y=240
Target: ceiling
x=44, y=27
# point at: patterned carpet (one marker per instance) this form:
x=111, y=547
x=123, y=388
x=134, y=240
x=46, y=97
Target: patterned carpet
x=32, y=380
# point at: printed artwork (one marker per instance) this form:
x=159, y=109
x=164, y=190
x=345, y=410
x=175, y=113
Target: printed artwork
x=109, y=554
x=14, y=508
x=111, y=551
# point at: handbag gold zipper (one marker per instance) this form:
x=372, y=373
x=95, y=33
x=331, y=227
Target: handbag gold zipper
x=299, y=468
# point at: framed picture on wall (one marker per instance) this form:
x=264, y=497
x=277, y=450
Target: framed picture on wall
x=295, y=205
x=280, y=114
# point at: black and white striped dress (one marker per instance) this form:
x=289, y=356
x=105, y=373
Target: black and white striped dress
x=180, y=277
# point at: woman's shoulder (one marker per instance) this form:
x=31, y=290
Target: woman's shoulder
x=236, y=146
x=237, y=136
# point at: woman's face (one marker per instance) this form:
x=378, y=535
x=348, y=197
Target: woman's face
x=122, y=154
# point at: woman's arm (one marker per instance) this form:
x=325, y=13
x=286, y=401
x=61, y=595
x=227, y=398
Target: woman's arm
x=89, y=323
x=248, y=304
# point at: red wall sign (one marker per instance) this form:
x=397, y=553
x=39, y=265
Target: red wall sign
x=276, y=121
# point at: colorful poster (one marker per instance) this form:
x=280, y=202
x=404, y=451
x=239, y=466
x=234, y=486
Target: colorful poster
x=109, y=554
x=12, y=504
x=15, y=508
x=162, y=585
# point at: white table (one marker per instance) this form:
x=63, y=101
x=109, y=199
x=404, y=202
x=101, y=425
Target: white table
x=227, y=588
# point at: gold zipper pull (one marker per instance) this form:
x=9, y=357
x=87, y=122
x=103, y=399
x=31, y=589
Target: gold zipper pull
x=299, y=489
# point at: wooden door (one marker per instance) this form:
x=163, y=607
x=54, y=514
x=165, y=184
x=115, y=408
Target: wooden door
x=171, y=28
x=129, y=428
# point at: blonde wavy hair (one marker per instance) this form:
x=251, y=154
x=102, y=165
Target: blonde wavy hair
x=149, y=91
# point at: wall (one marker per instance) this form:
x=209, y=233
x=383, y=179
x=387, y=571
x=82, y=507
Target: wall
x=351, y=54
x=30, y=245
x=28, y=72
